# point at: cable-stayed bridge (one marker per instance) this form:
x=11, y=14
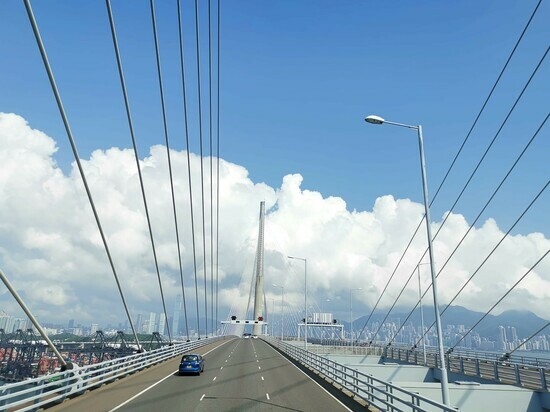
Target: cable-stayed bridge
x=313, y=364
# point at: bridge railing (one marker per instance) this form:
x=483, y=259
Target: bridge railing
x=32, y=394
x=374, y=391
x=491, y=367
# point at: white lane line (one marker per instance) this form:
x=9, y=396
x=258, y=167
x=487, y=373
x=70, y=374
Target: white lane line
x=214, y=378
x=221, y=368
x=262, y=378
x=160, y=381
x=257, y=360
x=259, y=367
x=267, y=396
x=226, y=360
x=316, y=383
x=203, y=395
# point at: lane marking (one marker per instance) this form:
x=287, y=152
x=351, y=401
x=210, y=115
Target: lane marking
x=305, y=374
x=267, y=396
x=226, y=360
x=259, y=367
x=262, y=378
x=203, y=395
x=214, y=378
x=221, y=368
x=160, y=381
x=257, y=360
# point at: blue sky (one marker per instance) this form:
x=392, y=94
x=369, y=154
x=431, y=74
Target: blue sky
x=297, y=79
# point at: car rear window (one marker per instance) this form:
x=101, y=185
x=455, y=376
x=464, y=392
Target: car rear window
x=189, y=358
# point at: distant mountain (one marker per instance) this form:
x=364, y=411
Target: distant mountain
x=525, y=322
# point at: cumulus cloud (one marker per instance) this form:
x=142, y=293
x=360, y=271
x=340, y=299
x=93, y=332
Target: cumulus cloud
x=51, y=249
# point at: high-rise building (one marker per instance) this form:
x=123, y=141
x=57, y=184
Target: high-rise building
x=71, y=324
x=139, y=323
x=162, y=323
x=502, y=344
x=94, y=328
x=152, y=318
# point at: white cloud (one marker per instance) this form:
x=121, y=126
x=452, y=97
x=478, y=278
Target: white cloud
x=51, y=250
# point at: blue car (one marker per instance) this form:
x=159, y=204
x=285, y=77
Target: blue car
x=191, y=364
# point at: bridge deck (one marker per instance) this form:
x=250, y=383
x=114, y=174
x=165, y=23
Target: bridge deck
x=241, y=374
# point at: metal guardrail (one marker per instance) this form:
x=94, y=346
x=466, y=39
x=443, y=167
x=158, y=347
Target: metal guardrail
x=492, y=368
x=32, y=394
x=374, y=391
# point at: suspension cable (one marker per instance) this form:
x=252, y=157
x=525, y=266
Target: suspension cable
x=478, y=268
x=185, y=117
x=159, y=71
x=53, y=85
x=211, y=174
x=500, y=300
x=470, y=178
x=218, y=167
x=472, y=226
x=455, y=159
x=197, y=32
x=131, y=127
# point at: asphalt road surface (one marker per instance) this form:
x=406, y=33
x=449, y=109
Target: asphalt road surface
x=239, y=375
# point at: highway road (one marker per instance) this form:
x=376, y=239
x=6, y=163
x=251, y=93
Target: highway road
x=240, y=375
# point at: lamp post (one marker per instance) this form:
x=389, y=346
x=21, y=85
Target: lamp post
x=305, y=296
x=272, y=311
x=351, y=315
x=282, y=307
x=443, y=369
x=421, y=311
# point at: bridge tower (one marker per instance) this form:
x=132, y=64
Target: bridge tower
x=259, y=275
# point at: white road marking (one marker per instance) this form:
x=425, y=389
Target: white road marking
x=221, y=368
x=203, y=395
x=226, y=360
x=259, y=367
x=262, y=378
x=214, y=378
x=316, y=383
x=267, y=396
x=257, y=360
x=160, y=381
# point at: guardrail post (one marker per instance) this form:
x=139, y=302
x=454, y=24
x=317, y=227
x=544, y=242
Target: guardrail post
x=462, y=365
x=518, y=376
x=39, y=391
x=478, y=371
x=3, y=392
x=543, y=379
x=495, y=369
x=415, y=401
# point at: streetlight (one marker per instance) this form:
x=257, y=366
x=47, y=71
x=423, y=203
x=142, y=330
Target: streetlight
x=282, y=307
x=272, y=311
x=421, y=311
x=443, y=369
x=305, y=295
x=350, y=315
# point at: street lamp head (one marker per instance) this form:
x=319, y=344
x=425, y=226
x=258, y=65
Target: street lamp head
x=374, y=119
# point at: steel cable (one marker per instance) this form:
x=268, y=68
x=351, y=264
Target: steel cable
x=185, y=117
x=518, y=158
x=197, y=31
x=456, y=157
x=500, y=300
x=53, y=85
x=134, y=143
x=218, y=167
x=470, y=177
